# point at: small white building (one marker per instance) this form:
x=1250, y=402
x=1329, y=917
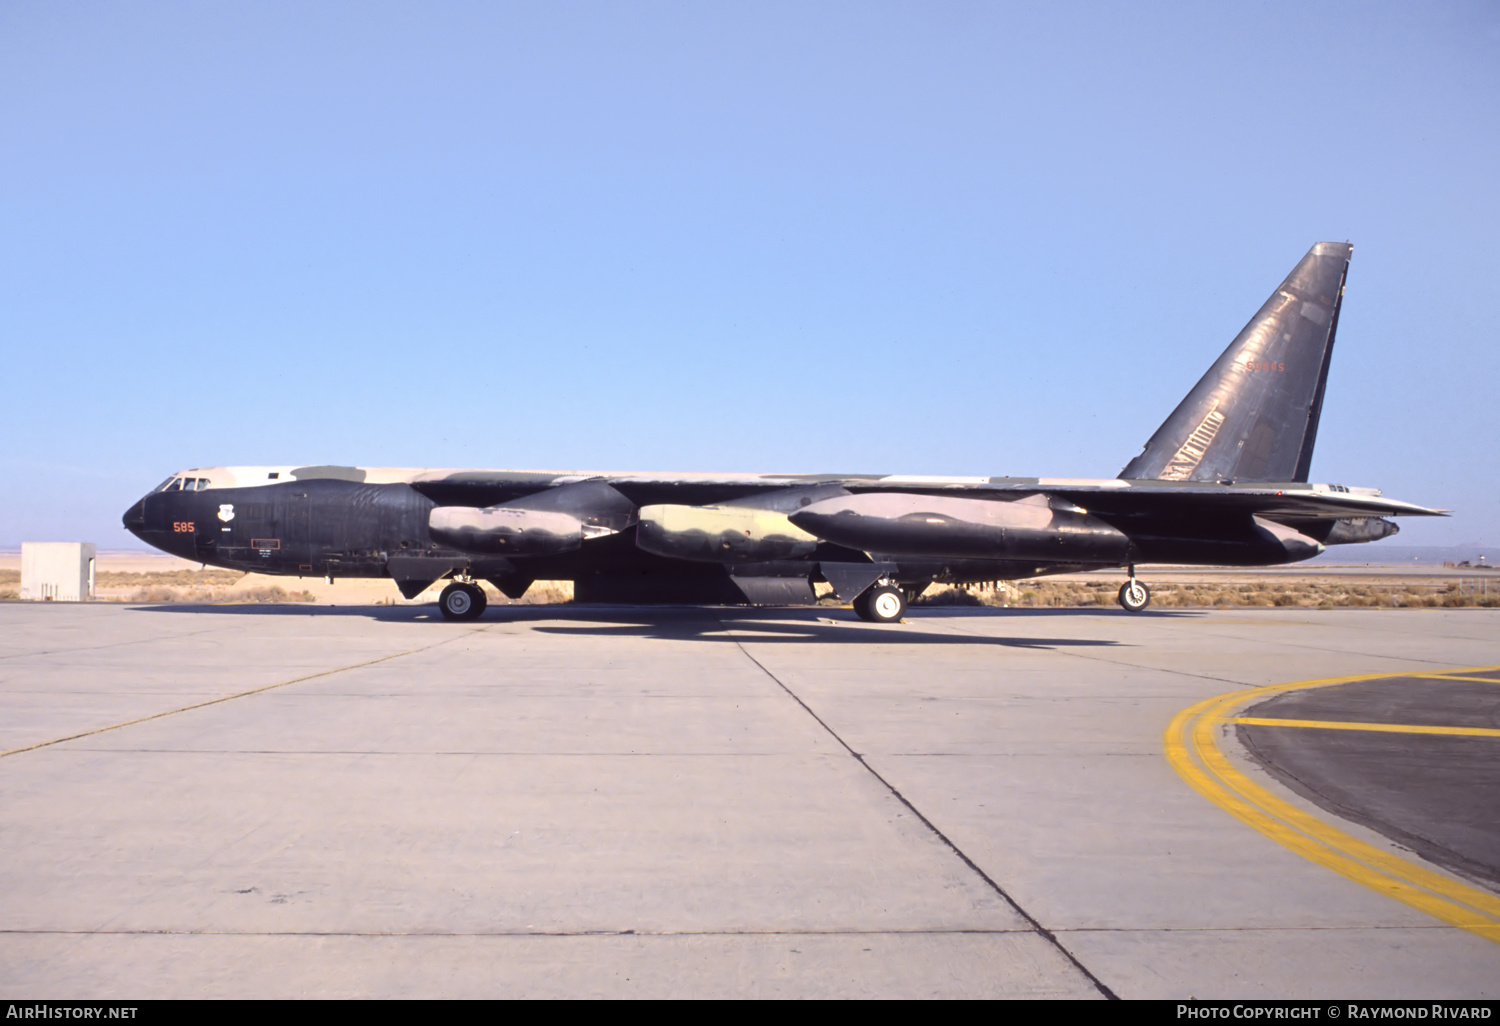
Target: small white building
x=57, y=571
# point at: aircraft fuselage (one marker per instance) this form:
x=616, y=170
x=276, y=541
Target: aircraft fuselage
x=353, y=522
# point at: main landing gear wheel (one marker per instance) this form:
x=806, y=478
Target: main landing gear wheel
x=460, y=601
x=1134, y=596
x=882, y=604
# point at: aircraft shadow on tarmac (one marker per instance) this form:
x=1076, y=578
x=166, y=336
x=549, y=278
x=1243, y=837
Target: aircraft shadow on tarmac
x=702, y=623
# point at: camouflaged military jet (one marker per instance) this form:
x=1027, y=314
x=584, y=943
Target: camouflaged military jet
x=1223, y=481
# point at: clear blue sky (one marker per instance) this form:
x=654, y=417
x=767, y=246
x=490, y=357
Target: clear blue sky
x=932, y=237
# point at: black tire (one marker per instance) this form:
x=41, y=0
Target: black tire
x=461, y=601
x=883, y=604
x=861, y=605
x=1134, y=596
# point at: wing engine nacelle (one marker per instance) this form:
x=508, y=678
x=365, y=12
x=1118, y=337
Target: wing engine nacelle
x=721, y=534
x=544, y=523
x=1353, y=530
x=505, y=531
x=901, y=523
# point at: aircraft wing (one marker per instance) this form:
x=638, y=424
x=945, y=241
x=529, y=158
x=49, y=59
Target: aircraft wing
x=1293, y=500
x=1104, y=495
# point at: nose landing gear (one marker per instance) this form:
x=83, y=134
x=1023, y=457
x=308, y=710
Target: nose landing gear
x=1134, y=596
x=462, y=600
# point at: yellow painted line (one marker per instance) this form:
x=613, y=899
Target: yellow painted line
x=1465, y=674
x=1384, y=728
x=1377, y=858
x=1192, y=750
x=1454, y=676
x=200, y=705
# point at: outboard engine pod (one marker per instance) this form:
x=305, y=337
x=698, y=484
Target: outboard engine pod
x=1352, y=530
x=901, y=523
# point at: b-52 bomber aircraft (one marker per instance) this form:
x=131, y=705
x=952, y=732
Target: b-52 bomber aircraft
x=1223, y=481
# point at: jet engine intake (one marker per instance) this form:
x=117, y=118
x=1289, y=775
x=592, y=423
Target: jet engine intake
x=721, y=534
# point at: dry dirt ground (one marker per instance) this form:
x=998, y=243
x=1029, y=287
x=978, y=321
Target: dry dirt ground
x=151, y=577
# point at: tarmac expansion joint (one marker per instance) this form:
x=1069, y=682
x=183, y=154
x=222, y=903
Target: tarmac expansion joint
x=1049, y=936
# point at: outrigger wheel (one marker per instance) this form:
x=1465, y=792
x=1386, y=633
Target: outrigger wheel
x=881, y=604
x=462, y=601
x=1134, y=596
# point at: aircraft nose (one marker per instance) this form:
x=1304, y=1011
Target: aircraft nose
x=135, y=517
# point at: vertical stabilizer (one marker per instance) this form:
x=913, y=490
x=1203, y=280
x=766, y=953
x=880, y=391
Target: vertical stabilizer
x=1254, y=415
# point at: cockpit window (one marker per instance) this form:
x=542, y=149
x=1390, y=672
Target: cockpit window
x=183, y=484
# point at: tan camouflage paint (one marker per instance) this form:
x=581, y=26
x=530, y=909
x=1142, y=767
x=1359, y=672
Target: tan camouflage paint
x=721, y=534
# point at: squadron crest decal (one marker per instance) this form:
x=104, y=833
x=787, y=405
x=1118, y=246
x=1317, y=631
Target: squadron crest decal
x=226, y=512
